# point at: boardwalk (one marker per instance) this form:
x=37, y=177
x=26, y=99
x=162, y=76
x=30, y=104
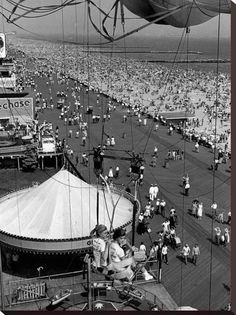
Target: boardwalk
x=202, y=286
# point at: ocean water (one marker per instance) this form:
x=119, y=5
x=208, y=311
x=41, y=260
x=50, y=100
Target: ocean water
x=167, y=51
x=163, y=50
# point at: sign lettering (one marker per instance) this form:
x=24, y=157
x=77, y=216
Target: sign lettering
x=16, y=107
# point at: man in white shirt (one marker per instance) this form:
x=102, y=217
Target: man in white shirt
x=214, y=209
x=186, y=252
x=162, y=205
x=197, y=147
x=164, y=251
x=151, y=193
x=166, y=226
x=155, y=191
x=155, y=153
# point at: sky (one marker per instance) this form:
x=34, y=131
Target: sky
x=52, y=24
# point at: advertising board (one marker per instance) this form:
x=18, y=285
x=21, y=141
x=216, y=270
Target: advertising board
x=9, y=82
x=20, y=108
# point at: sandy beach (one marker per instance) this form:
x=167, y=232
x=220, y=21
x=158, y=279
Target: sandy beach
x=144, y=86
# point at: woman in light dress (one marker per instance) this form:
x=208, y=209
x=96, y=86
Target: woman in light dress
x=199, y=210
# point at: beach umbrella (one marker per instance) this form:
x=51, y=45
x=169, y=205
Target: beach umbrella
x=178, y=13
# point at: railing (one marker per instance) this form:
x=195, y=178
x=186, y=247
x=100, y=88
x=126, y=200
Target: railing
x=13, y=150
x=50, y=283
x=55, y=282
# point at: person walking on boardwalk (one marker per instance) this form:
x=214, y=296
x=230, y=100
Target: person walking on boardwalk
x=155, y=191
x=185, y=180
x=158, y=206
x=83, y=141
x=172, y=221
x=153, y=161
x=163, y=208
x=147, y=212
x=195, y=254
x=151, y=193
x=156, y=127
x=196, y=147
x=217, y=235
x=229, y=218
x=140, y=180
x=227, y=236
x=155, y=151
x=172, y=237
x=141, y=169
x=164, y=252
x=186, y=253
x=220, y=217
x=199, y=210
x=110, y=173
x=166, y=227
x=117, y=171
x=113, y=141
x=214, y=209
x=140, y=229
x=84, y=159
x=153, y=252
x=186, y=189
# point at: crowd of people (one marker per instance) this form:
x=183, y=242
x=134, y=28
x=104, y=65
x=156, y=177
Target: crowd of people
x=146, y=87
x=116, y=259
x=113, y=255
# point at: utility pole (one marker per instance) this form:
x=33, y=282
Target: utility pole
x=134, y=212
x=159, y=262
x=87, y=260
x=1, y=281
x=89, y=285
x=97, y=202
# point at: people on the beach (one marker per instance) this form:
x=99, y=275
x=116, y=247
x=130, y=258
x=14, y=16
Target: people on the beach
x=191, y=132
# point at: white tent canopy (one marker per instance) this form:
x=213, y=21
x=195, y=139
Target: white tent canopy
x=63, y=207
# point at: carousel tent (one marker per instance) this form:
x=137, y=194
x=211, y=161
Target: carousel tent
x=62, y=209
